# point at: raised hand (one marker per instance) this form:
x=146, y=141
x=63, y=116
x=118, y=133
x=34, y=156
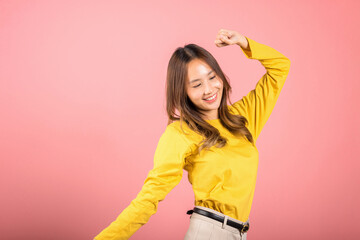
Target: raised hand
x=227, y=37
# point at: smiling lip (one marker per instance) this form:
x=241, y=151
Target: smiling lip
x=212, y=100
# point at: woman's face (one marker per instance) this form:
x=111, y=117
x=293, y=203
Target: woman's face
x=202, y=84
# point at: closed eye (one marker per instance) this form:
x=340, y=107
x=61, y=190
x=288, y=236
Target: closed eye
x=200, y=83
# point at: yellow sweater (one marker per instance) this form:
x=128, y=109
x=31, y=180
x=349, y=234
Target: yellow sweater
x=223, y=179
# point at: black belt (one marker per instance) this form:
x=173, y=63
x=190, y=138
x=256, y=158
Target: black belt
x=242, y=228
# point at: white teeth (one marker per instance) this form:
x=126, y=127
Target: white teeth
x=211, y=97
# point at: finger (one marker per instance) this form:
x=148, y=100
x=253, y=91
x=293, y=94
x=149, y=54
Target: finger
x=226, y=34
x=226, y=40
x=219, y=38
x=221, y=44
x=223, y=35
x=225, y=31
x=222, y=31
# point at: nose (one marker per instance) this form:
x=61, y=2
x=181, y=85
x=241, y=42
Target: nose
x=208, y=89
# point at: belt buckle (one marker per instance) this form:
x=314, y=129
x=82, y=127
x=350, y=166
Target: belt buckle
x=245, y=228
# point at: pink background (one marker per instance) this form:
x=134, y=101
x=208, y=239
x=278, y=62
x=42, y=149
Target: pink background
x=82, y=105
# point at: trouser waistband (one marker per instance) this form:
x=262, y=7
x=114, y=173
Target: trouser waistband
x=213, y=214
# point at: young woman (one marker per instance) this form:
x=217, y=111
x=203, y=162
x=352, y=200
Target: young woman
x=214, y=142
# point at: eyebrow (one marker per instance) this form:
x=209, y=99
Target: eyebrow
x=199, y=78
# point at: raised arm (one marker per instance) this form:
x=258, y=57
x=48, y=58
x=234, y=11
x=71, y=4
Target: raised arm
x=258, y=104
x=169, y=160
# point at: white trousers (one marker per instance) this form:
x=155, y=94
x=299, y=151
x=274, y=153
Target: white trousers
x=205, y=228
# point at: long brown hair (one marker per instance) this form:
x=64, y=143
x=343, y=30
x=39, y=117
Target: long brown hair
x=177, y=99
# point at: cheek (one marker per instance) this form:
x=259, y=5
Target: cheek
x=197, y=96
x=194, y=95
x=218, y=84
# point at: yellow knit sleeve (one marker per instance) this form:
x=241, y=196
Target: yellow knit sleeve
x=258, y=104
x=169, y=161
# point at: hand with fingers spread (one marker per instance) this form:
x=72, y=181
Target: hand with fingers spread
x=228, y=37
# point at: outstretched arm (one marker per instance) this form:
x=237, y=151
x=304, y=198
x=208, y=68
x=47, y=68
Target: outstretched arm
x=165, y=175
